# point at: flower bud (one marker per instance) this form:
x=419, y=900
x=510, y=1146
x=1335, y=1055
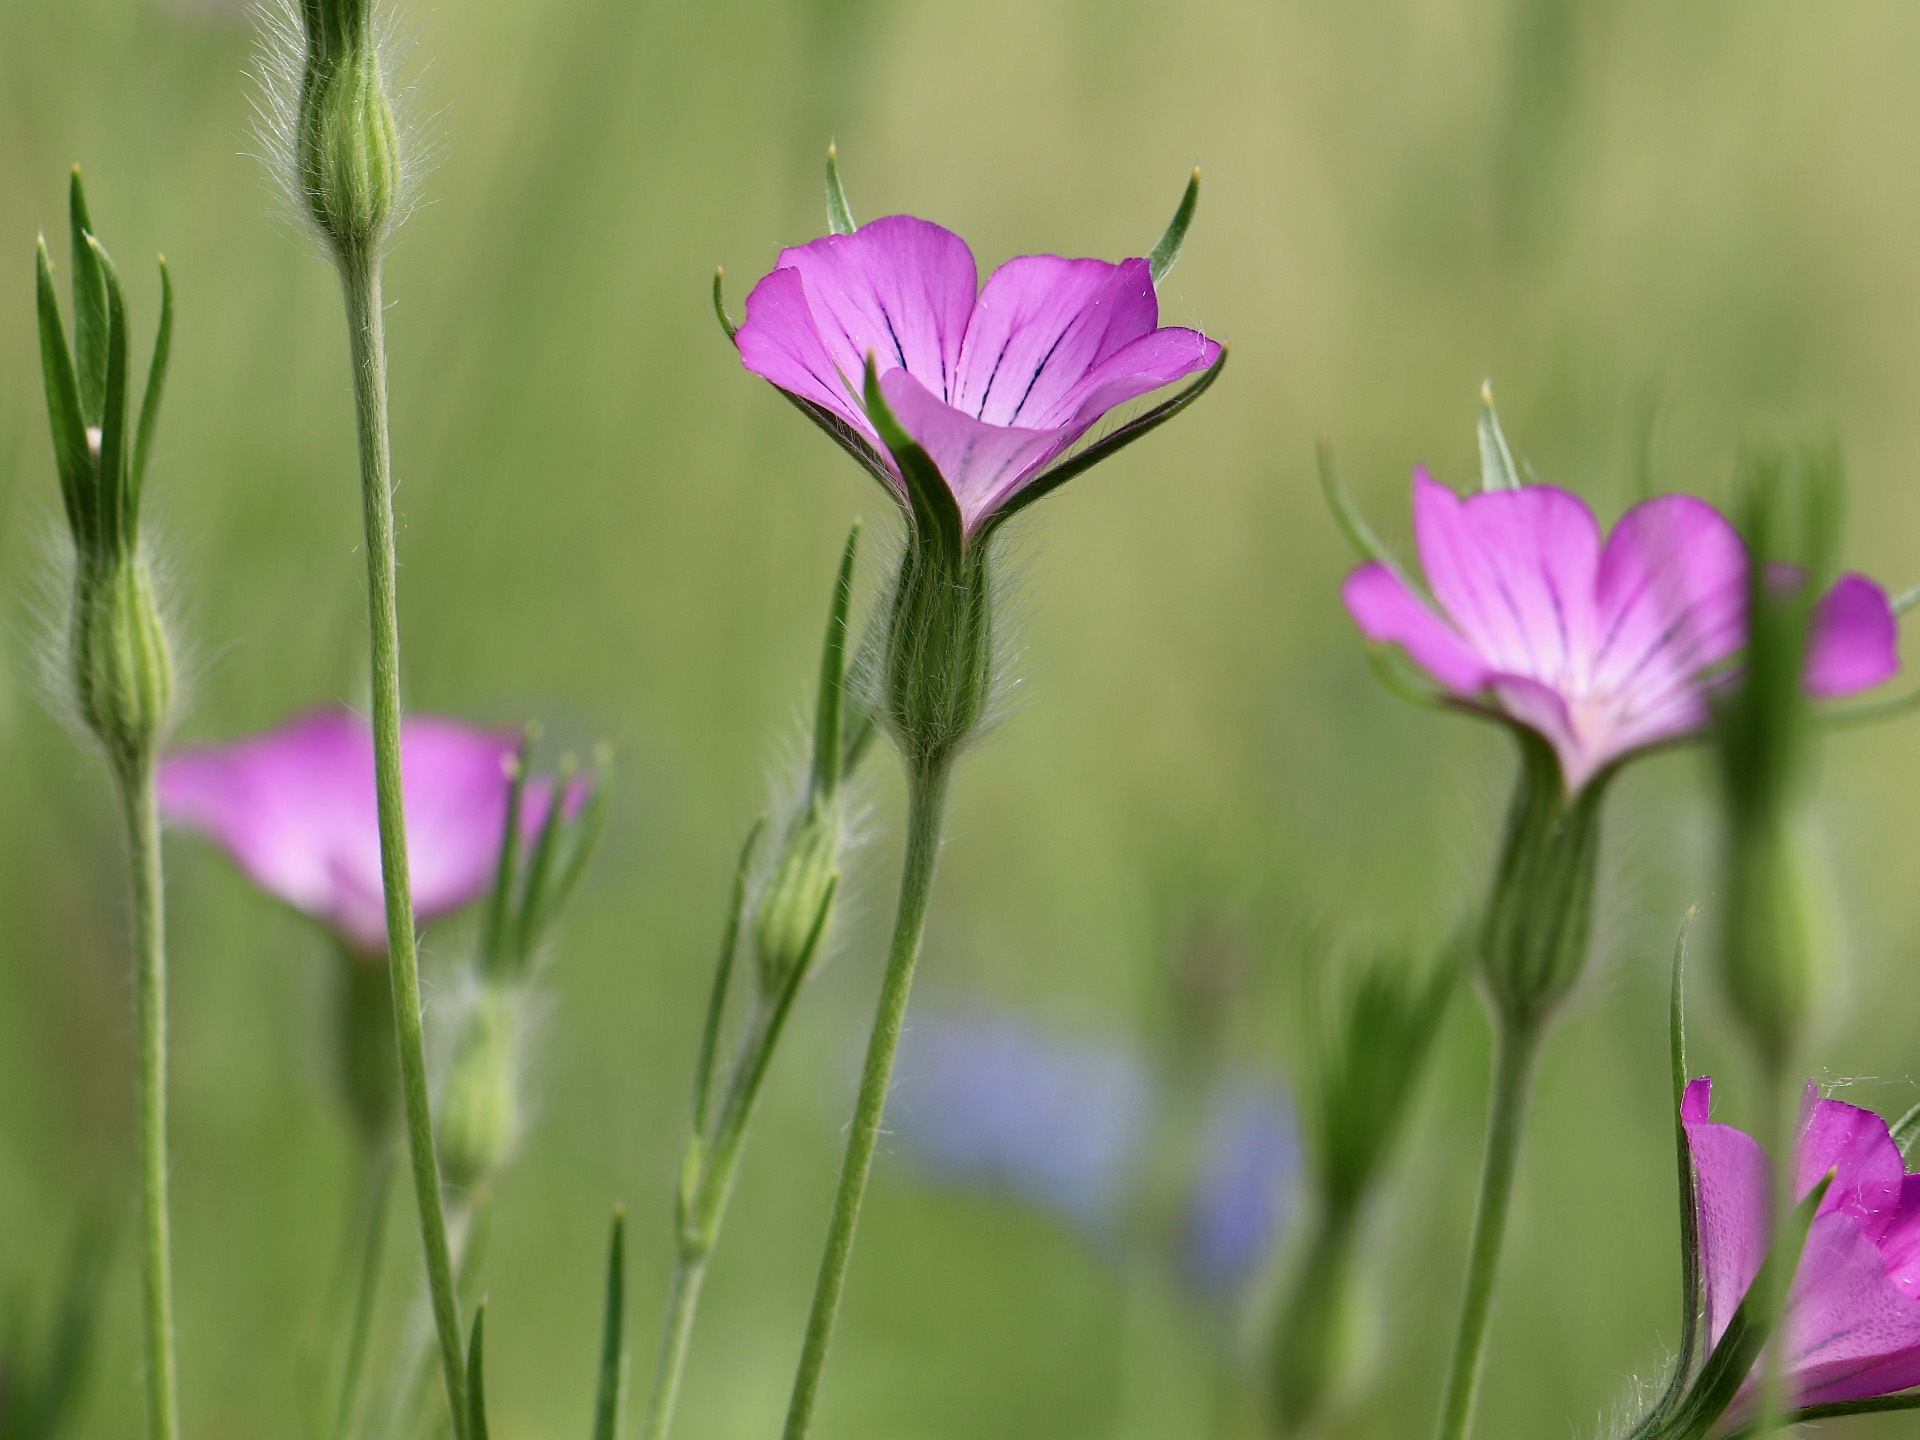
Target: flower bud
x=1534, y=932
x=479, y=1119
x=348, y=146
x=120, y=661
x=793, y=908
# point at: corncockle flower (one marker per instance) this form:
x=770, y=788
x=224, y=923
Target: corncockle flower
x=1852, y=1313
x=1065, y=1125
x=967, y=403
x=1602, y=650
x=295, y=809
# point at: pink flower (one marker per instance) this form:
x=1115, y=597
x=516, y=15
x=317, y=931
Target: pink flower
x=1600, y=649
x=295, y=809
x=1852, y=1318
x=996, y=386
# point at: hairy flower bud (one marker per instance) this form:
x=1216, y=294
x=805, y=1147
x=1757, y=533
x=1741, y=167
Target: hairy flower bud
x=122, y=666
x=793, y=909
x=938, y=668
x=348, y=152
x=479, y=1118
x=120, y=662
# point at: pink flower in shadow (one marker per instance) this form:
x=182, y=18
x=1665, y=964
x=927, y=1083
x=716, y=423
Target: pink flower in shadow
x=296, y=810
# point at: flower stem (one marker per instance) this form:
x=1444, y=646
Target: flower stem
x=1779, y=1124
x=683, y=1301
x=150, y=965
x=1516, y=1043
x=926, y=806
x=360, y=279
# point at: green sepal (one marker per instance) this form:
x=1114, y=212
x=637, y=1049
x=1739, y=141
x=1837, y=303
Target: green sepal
x=70, y=449
x=1905, y=600
x=1906, y=1131
x=839, y=213
x=722, y=975
x=1497, y=471
x=156, y=383
x=1160, y=259
x=932, y=503
x=720, y=305
x=1690, y=1269
x=1346, y=514
x=583, y=838
x=1868, y=712
x=613, y=1349
x=92, y=326
x=1118, y=440
x=476, y=1376
x=534, y=908
x=828, y=737
x=118, y=518
x=1400, y=678
x=493, y=939
x=1873, y=1405
x=1732, y=1360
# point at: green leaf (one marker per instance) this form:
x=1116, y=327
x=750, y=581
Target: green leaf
x=1118, y=440
x=833, y=669
x=935, y=510
x=156, y=383
x=70, y=449
x=119, y=520
x=613, y=1351
x=91, y=323
x=1497, y=470
x=722, y=973
x=839, y=213
x=1160, y=259
x=476, y=1376
x=720, y=304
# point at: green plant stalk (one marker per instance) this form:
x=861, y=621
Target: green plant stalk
x=1516, y=1044
x=360, y=280
x=1778, y=1124
x=366, y=1288
x=926, y=807
x=683, y=1303
x=150, y=987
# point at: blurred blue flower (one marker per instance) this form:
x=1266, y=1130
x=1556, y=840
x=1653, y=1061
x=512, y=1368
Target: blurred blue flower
x=991, y=1101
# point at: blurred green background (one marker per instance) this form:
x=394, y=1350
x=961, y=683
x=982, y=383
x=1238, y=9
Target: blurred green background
x=1663, y=230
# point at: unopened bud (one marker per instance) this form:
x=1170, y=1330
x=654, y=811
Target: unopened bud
x=122, y=668
x=791, y=914
x=479, y=1122
x=349, y=147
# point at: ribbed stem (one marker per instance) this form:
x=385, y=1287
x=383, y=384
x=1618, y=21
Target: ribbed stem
x=683, y=1302
x=1515, y=1045
x=150, y=988
x=360, y=279
x=926, y=806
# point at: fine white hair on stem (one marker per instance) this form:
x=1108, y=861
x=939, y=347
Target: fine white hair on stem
x=278, y=71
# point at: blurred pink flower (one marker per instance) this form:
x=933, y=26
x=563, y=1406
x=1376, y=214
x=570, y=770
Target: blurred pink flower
x=996, y=386
x=1853, y=1313
x=295, y=809
x=1601, y=650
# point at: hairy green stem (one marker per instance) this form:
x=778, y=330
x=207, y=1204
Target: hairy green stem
x=150, y=988
x=360, y=279
x=926, y=806
x=1516, y=1043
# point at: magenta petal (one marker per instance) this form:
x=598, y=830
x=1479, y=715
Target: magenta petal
x=780, y=341
x=1730, y=1172
x=898, y=289
x=984, y=465
x=1672, y=599
x=1514, y=570
x=1138, y=368
x=1388, y=613
x=1855, y=1145
x=296, y=810
x=1852, y=1332
x=1855, y=641
x=1040, y=324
